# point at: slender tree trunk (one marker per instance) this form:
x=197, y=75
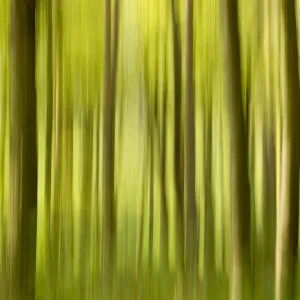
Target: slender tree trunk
x=140, y=233
x=49, y=108
x=97, y=154
x=139, y=220
x=109, y=219
x=209, y=247
x=151, y=187
x=248, y=106
x=96, y=205
x=115, y=50
x=49, y=128
x=153, y=122
x=240, y=186
x=146, y=158
x=287, y=243
x=86, y=189
x=225, y=235
x=164, y=205
x=3, y=135
x=269, y=216
x=21, y=246
x=57, y=176
x=178, y=153
x=191, y=237
x=67, y=252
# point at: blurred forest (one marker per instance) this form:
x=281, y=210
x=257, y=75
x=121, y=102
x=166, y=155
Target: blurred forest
x=149, y=149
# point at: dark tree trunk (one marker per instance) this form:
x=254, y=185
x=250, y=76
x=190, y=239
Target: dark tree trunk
x=287, y=245
x=164, y=206
x=153, y=121
x=269, y=216
x=49, y=128
x=191, y=237
x=146, y=159
x=151, y=188
x=86, y=190
x=178, y=140
x=57, y=176
x=21, y=246
x=109, y=217
x=3, y=135
x=96, y=200
x=49, y=107
x=240, y=186
x=115, y=50
x=209, y=243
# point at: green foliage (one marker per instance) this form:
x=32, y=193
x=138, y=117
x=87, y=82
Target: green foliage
x=145, y=32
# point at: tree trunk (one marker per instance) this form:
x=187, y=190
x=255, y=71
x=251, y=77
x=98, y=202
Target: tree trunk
x=153, y=124
x=151, y=185
x=49, y=107
x=269, y=216
x=86, y=190
x=3, y=134
x=140, y=203
x=209, y=247
x=115, y=50
x=178, y=153
x=140, y=230
x=191, y=237
x=287, y=243
x=21, y=246
x=164, y=205
x=240, y=187
x=49, y=126
x=146, y=159
x=57, y=176
x=67, y=236
x=96, y=200
x=109, y=221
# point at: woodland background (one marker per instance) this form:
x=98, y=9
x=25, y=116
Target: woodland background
x=149, y=149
